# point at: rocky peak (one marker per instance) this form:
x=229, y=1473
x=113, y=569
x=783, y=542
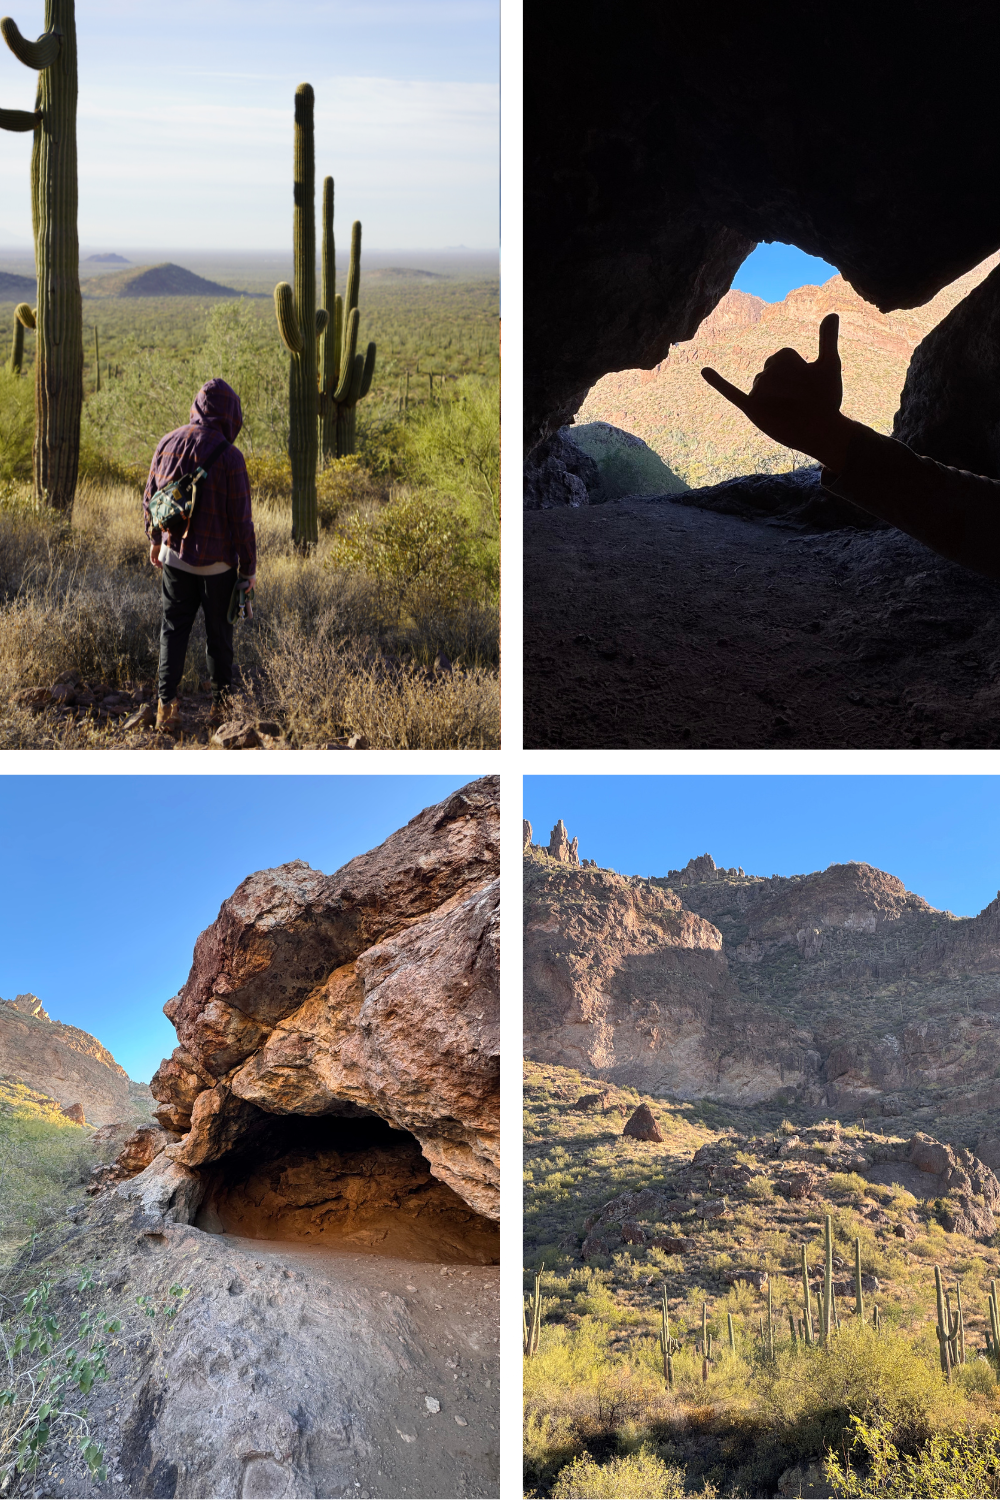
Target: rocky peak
x=561, y=847
x=30, y=1005
x=66, y=1063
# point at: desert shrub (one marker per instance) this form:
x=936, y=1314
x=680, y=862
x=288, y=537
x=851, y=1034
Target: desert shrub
x=948, y=1466
x=634, y=1476
x=848, y=1185
x=126, y=418
x=344, y=484
x=786, y=1127
x=246, y=351
x=761, y=1188
x=453, y=446
x=17, y=425
x=42, y=1156
x=420, y=553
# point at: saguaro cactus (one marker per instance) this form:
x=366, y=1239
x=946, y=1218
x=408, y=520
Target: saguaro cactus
x=859, y=1299
x=345, y=375
x=807, y=1299
x=298, y=326
x=59, y=358
x=828, y=1315
x=24, y=317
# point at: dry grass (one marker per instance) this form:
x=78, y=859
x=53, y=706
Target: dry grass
x=321, y=657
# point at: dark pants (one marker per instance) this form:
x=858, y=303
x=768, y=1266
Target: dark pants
x=183, y=595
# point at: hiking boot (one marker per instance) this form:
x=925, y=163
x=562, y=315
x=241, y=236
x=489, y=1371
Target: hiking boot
x=221, y=710
x=168, y=716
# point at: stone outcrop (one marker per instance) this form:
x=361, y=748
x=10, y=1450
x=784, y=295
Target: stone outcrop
x=562, y=847
x=558, y=475
x=642, y=1126
x=644, y=200
x=949, y=407
x=968, y=1187
x=367, y=995
x=68, y=1064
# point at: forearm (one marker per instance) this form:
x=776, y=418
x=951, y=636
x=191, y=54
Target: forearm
x=955, y=513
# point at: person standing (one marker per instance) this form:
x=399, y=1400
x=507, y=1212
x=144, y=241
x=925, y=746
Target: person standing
x=201, y=569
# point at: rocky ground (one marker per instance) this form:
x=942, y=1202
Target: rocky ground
x=658, y=624
x=289, y=1370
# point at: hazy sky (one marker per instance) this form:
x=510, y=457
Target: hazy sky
x=107, y=881
x=939, y=834
x=772, y=271
x=186, y=116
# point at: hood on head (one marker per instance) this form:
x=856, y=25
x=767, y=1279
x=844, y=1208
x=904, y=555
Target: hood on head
x=217, y=405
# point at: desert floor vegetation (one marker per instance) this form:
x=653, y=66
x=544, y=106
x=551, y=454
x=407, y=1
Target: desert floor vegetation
x=747, y=1408
x=386, y=634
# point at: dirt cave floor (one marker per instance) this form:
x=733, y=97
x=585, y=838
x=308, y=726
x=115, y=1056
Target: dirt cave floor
x=655, y=624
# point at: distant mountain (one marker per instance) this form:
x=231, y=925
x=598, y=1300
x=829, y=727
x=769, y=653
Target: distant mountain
x=14, y=288
x=166, y=280
x=705, y=439
x=389, y=273
x=110, y=259
x=67, y=1064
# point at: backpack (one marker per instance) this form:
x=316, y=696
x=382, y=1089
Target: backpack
x=173, y=506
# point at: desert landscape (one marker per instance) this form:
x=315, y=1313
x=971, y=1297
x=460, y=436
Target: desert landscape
x=761, y=1232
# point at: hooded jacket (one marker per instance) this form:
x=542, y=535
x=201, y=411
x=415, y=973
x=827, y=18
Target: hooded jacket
x=222, y=526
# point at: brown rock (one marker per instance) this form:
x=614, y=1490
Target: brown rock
x=799, y=1186
x=672, y=1244
x=63, y=692
x=633, y=1234
x=642, y=1126
x=752, y=1275
x=712, y=1208
x=140, y=1149
x=561, y=847
x=591, y=1101
x=75, y=1113
x=239, y=734
x=370, y=992
x=904, y=1232
x=594, y=1244
x=144, y=717
x=67, y=1064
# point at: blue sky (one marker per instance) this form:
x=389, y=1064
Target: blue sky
x=939, y=834
x=772, y=271
x=106, y=881
x=185, y=121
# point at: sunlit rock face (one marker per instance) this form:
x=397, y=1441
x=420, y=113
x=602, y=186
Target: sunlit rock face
x=659, y=150
x=371, y=993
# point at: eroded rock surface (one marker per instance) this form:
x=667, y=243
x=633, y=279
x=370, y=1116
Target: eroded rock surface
x=373, y=991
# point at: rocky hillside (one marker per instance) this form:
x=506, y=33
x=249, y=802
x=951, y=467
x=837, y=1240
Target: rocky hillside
x=66, y=1064
x=706, y=440
x=838, y=989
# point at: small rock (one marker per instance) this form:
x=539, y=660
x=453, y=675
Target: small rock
x=268, y=726
x=633, y=1234
x=752, y=1275
x=713, y=1208
x=144, y=717
x=358, y=742
x=63, y=693
x=236, y=735
x=461, y=1422
x=75, y=1113
x=790, y=1145
x=431, y=1404
x=642, y=1126
x=673, y=1245
x=408, y=1437
x=904, y=1232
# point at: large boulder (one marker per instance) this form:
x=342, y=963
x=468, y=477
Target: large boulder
x=559, y=474
x=950, y=403
x=662, y=148
x=369, y=993
x=641, y=1125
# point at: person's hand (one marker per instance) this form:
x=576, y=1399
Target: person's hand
x=154, y=554
x=251, y=582
x=797, y=402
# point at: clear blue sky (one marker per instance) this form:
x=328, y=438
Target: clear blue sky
x=185, y=121
x=772, y=271
x=106, y=881
x=939, y=834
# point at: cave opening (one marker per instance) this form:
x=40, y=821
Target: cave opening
x=350, y=1183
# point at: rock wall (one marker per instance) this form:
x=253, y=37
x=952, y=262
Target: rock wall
x=373, y=992
x=661, y=149
x=838, y=988
x=68, y=1064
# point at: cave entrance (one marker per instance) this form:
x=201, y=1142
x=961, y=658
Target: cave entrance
x=351, y=1184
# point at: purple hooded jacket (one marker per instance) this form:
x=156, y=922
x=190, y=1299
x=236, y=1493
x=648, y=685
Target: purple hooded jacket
x=222, y=526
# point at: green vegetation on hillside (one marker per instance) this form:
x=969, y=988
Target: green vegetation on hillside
x=44, y=1160
x=600, y=1417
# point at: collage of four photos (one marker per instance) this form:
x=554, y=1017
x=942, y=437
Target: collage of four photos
x=262, y=1232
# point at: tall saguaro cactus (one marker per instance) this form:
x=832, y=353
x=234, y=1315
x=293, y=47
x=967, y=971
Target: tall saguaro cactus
x=299, y=325
x=345, y=375
x=59, y=316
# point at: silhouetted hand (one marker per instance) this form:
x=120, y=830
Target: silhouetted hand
x=797, y=402
x=154, y=554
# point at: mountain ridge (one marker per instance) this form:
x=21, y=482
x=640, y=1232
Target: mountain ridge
x=67, y=1064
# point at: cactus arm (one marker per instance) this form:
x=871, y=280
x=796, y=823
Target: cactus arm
x=322, y=319
x=24, y=315
x=328, y=291
x=19, y=119
x=368, y=372
x=338, y=335
x=284, y=310
x=828, y=1283
x=859, y=1301
x=347, y=356
x=17, y=348
x=37, y=55
x=354, y=269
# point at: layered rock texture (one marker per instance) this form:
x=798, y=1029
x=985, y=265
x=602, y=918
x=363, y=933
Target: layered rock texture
x=644, y=199
x=68, y=1064
x=835, y=989
x=371, y=994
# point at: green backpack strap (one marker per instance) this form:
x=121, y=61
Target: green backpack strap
x=198, y=476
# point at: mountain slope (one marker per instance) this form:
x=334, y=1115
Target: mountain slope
x=66, y=1064
x=703, y=437
x=834, y=989
x=166, y=280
